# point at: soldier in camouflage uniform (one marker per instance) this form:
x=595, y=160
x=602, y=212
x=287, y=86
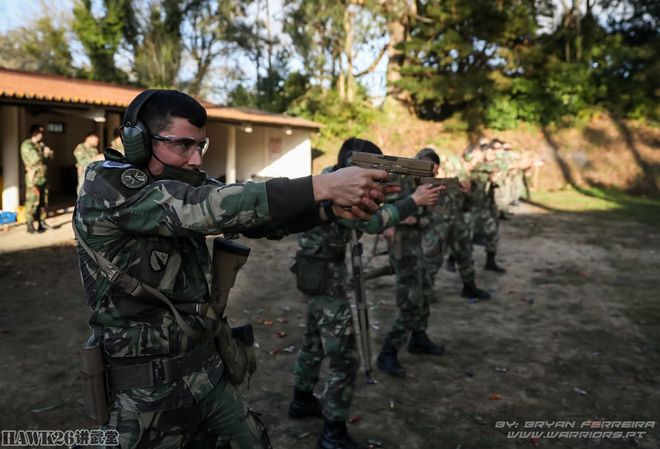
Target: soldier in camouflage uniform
x=322, y=278
x=85, y=153
x=150, y=219
x=413, y=290
x=34, y=154
x=449, y=230
x=483, y=209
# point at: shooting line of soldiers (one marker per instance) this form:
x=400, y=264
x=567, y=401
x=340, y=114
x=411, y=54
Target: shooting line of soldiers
x=444, y=200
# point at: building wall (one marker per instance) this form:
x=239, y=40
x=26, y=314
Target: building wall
x=268, y=152
x=250, y=152
x=215, y=160
x=287, y=155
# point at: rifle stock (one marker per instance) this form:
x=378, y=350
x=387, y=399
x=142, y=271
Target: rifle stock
x=361, y=302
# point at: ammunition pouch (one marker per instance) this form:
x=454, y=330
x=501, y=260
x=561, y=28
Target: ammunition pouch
x=236, y=348
x=311, y=270
x=95, y=381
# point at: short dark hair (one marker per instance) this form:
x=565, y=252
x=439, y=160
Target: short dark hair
x=429, y=154
x=157, y=114
x=90, y=134
x=354, y=144
x=36, y=129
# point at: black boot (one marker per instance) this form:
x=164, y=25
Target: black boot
x=388, y=362
x=30, y=227
x=492, y=265
x=335, y=436
x=470, y=290
x=420, y=343
x=304, y=405
x=42, y=226
x=451, y=263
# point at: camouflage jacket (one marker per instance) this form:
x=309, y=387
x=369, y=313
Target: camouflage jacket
x=84, y=155
x=330, y=239
x=450, y=203
x=154, y=229
x=34, y=162
x=484, y=175
x=407, y=238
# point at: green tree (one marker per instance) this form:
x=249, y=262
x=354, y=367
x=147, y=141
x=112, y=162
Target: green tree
x=41, y=47
x=101, y=36
x=457, y=55
x=210, y=31
x=158, y=51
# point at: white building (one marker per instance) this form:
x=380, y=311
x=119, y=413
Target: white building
x=245, y=144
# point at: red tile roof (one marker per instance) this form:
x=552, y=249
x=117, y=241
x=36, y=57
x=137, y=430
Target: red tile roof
x=60, y=89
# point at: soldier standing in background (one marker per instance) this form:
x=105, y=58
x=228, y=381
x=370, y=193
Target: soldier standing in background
x=413, y=287
x=450, y=228
x=484, y=177
x=34, y=154
x=322, y=277
x=85, y=153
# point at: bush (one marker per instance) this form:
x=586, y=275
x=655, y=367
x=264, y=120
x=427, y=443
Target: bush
x=341, y=119
x=501, y=114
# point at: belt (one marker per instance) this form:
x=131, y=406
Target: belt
x=158, y=371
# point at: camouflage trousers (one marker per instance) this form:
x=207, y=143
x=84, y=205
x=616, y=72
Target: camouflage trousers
x=35, y=202
x=504, y=194
x=450, y=234
x=413, y=287
x=484, y=222
x=519, y=189
x=329, y=333
x=221, y=420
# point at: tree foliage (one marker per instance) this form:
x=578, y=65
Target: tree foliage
x=491, y=62
x=41, y=47
x=488, y=62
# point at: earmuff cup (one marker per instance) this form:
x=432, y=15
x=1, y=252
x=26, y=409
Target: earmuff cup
x=137, y=144
x=136, y=136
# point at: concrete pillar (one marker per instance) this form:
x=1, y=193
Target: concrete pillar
x=100, y=131
x=231, y=155
x=10, y=158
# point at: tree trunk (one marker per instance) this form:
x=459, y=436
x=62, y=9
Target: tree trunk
x=578, y=32
x=348, y=51
x=399, y=13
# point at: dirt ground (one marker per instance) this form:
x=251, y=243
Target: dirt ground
x=572, y=333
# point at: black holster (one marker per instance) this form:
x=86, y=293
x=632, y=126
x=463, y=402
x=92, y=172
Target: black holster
x=95, y=379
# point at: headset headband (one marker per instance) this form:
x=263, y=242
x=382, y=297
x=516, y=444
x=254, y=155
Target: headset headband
x=133, y=110
x=357, y=145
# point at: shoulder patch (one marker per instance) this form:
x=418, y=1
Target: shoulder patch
x=158, y=260
x=134, y=178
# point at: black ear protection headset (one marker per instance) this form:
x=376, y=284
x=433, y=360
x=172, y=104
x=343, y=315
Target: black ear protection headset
x=136, y=136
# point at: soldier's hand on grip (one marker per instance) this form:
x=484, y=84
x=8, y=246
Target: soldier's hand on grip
x=427, y=195
x=355, y=192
